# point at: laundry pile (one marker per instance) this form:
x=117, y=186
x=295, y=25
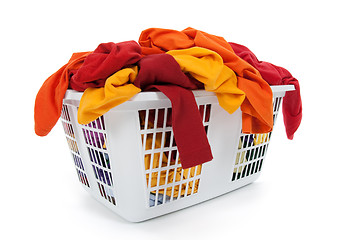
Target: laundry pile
x=174, y=63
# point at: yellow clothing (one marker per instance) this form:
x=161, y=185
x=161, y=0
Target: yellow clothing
x=241, y=156
x=240, y=160
x=169, y=174
x=180, y=174
x=117, y=89
x=207, y=67
x=260, y=138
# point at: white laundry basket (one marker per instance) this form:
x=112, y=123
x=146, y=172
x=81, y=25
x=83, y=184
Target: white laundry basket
x=128, y=160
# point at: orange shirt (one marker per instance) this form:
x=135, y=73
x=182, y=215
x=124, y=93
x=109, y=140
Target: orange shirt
x=48, y=102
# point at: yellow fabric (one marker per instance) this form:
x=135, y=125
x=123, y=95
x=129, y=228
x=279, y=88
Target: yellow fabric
x=118, y=88
x=180, y=174
x=260, y=138
x=240, y=160
x=241, y=157
x=207, y=67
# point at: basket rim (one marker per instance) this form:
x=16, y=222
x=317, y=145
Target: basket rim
x=153, y=96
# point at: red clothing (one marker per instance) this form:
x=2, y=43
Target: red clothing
x=107, y=59
x=274, y=75
x=48, y=102
x=257, y=109
x=163, y=73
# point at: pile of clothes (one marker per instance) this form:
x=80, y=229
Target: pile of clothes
x=173, y=62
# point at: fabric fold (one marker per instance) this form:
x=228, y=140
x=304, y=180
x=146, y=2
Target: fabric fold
x=207, y=67
x=48, y=102
x=275, y=75
x=118, y=88
x=162, y=72
x=107, y=59
x=257, y=112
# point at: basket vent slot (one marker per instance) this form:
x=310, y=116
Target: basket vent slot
x=165, y=178
x=72, y=143
x=252, y=149
x=96, y=141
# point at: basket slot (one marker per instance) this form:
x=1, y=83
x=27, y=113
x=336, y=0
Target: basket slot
x=165, y=178
x=72, y=144
x=97, y=124
x=82, y=177
x=65, y=113
x=249, y=156
x=78, y=161
x=252, y=149
x=106, y=193
x=95, y=138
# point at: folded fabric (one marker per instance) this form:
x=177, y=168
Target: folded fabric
x=207, y=67
x=163, y=73
x=48, y=102
x=107, y=59
x=274, y=75
x=118, y=88
x=257, y=112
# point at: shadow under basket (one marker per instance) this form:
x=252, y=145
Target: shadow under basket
x=128, y=160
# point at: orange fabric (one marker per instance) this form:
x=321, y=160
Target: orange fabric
x=48, y=102
x=257, y=109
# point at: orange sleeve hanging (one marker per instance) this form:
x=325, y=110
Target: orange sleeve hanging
x=48, y=102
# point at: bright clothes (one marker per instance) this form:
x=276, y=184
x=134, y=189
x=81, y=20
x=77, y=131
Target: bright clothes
x=274, y=75
x=170, y=176
x=257, y=112
x=118, y=88
x=207, y=67
x=48, y=102
x=107, y=59
x=260, y=138
x=163, y=73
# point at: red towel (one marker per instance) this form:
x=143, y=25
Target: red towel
x=107, y=59
x=274, y=75
x=162, y=72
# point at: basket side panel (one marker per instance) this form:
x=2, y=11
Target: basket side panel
x=69, y=130
x=252, y=149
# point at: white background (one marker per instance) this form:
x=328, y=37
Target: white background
x=295, y=197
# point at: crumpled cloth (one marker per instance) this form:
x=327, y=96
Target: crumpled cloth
x=275, y=75
x=107, y=59
x=257, y=109
x=163, y=73
x=118, y=88
x=207, y=67
x=48, y=102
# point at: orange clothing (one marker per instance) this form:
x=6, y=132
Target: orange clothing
x=257, y=110
x=48, y=102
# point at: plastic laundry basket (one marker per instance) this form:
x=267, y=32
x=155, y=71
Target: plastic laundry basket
x=128, y=160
